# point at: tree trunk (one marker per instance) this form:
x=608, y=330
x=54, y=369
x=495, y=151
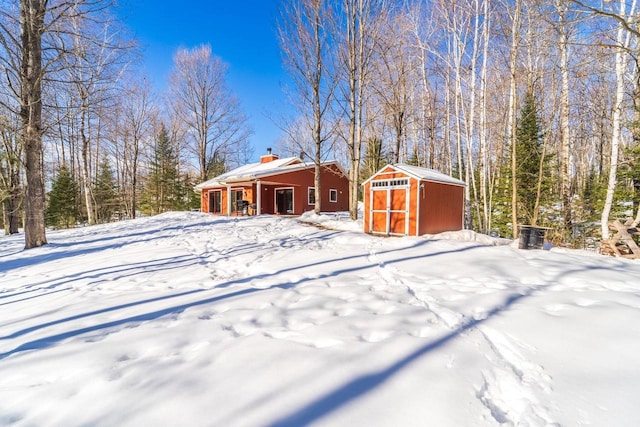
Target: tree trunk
x=565, y=150
x=86, y=174
x=484, y=216
x=616, y=135
x=12, y=204
x=511, y=125
x=31, y=27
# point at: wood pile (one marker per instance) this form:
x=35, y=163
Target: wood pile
x=621, y=244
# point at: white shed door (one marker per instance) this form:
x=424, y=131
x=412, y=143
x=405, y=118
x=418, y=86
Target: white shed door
x=389, y=201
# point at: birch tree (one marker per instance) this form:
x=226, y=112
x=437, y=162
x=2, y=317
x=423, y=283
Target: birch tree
x=395, y=83
x=358, y=33
x=95, y=68
x=513, y=105
x=625, y=18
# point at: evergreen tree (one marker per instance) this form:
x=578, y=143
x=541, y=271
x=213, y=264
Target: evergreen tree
x=373, y=159
x=162, y=190
x=105, y=193
x=627, y=192
x=529, y=154
x=62, y=209
x=216, y=165
x=414, y=160
x=501, y=207
x=187, y=199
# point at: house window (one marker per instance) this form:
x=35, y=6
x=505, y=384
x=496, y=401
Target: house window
x=333, y=195
x=311, y=196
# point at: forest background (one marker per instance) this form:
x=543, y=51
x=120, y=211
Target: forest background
x=535, y=105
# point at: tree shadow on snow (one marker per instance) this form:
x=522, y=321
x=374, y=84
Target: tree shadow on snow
x=132, y=320
x=78, y=246
x=363, y=384
x=360, y=386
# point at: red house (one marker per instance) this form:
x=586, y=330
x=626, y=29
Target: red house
x=275, y=186
x=406, y=200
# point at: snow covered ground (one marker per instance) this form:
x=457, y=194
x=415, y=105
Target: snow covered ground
x=186, y=319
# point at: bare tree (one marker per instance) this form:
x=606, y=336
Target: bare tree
x=132, y=129
x=565, y=119
x=99, y=60
x=304, y=39
x=358, y=34
x=32, y=56
x=10, y=173
x=211, y=113
x=395, y=83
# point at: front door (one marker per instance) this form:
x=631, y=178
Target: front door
x=284, y=201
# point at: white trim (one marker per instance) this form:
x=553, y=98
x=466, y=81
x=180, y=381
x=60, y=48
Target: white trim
x=418, y=206
x=258, y=197
x=370, y=209
x=335, y=191
x=407, y=206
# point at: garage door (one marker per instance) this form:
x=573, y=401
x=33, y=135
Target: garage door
x=389, y=207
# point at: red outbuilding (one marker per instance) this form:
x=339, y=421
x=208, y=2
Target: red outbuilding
x=404, y=200
x=275, y=186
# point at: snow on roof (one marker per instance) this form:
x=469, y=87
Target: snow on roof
x=251, y=171
x=427, y=174
x=420, y=173
x=257, y=170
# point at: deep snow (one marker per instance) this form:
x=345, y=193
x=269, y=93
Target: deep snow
x=190, y=319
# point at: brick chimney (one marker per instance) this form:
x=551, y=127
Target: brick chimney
x=268, y=157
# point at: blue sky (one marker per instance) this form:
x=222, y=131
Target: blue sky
x=242, y=33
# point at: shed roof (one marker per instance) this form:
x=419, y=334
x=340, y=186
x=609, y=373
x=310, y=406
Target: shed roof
x=254, y=171
x=425, y=174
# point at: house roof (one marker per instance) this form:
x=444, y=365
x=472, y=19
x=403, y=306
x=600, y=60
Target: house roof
x=425, y=174
x=255, y=171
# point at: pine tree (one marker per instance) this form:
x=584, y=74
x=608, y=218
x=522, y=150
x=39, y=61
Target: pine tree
x=415, y=159
x=529, y=159
x=62, y=209
x=105, y=193
x=162, y=188
x=374, y=157
x=186, y=199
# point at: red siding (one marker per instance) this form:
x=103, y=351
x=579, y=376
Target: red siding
x=442, y=208
x=300, y=181
x=433, y=207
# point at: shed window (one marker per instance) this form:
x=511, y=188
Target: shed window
x=333, y=195
x=400, y=182
x=311, y=196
